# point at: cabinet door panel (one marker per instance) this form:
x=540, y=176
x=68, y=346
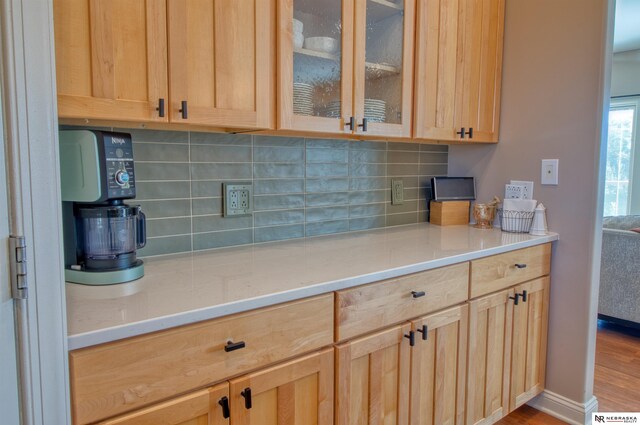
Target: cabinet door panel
x=383, y=66
x=315, y=87
x=222, y=56
x=111, y=58
x=489, y=358
x=199, y=408
x=438, y=369
x=530, y=320
x=490, y=72
x=437, y=57
x=478, y=104
x=459, y=69
x=299, y=392
x=373, y=379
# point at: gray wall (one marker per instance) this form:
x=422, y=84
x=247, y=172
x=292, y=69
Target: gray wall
x=551, y=108
x=302, y=187
x=625, y=73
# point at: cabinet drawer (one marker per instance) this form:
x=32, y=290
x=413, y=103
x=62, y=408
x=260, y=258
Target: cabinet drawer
x=116, y=377
x=370, y=307
x=504, y=270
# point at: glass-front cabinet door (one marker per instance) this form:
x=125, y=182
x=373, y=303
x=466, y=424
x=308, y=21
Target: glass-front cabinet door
x=315, y=65
x=383, y=71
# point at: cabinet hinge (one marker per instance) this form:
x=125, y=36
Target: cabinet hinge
x=18, y=267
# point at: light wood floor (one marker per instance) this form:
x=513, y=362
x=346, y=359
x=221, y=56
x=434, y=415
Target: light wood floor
x=617, y=382
x=617, y=377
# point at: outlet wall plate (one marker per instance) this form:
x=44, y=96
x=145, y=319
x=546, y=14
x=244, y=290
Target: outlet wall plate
x=513, y=191
x=527, y=187
x=397, y=192
x=237, y=199
x=549, y=172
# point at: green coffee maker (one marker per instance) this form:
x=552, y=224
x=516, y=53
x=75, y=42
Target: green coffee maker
x=101, y=232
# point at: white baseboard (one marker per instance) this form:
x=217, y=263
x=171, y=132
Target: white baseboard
x=565, y=409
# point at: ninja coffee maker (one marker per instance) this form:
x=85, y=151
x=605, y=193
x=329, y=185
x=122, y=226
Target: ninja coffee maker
x=101, y=232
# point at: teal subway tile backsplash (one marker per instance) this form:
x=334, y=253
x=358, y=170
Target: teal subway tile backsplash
x=301, y=187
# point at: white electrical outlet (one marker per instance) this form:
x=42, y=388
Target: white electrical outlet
x=513, y=191
x=527, y=188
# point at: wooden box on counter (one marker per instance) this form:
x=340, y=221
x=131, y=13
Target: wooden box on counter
x=449, y=213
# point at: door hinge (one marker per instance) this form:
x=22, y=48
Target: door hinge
x=18, y=267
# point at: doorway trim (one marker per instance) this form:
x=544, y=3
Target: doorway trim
x=30, y=117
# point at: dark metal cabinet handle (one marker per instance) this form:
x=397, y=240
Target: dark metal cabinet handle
x=364, y=124
x=515, y=299
x=233, y=346
x=461, y=133
x=418, y=294
x=224, y=402
x=247, y=397
x=524, y=296
x=160, y=108
x=184, y=111
x=470, y=133
x=424, y=330
x=351, y=123
x=520, y=266
x=412, y=338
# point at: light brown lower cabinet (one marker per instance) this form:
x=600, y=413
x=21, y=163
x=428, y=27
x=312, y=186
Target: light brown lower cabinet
x=507, y=350
x=198, y=408
x=490, y=327
x=438, y=368
x=299, y=391
x=383, y=379
x=472, y=362
x=529, y=345
x=296, y=392
x=372, y=382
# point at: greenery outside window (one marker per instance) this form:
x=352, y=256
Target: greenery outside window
x=622, y=196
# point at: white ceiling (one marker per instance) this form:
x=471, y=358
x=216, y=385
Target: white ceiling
x=627, y=26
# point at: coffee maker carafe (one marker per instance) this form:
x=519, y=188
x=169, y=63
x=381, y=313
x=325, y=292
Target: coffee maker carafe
x=101, y=232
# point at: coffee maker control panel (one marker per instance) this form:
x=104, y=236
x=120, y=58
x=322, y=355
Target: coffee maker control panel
x=118, y=158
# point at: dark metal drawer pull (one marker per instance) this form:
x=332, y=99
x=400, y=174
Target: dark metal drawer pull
x=412, y=338
x=351, y=123
x=520, y=266
x=184, y=111
x=160, y=108
x=232, y=346
x=247, y=397
x=424, y=330
x=224, y=402
x=515, y=299
x=524, y=296
x=418, y=294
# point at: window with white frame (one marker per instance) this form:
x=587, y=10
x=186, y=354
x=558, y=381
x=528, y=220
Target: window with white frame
x=622, y=196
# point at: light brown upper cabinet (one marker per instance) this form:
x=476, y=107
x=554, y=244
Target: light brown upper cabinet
x=198, y=62
x=221, y=62
x=346, y=67
x=111, y=59
x=458, y=69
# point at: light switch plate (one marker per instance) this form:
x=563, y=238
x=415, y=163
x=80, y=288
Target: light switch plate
x=549, y=172
x=238, y=199
x=527, y=191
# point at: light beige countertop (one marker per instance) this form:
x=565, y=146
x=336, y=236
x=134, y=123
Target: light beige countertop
x=187, y=288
